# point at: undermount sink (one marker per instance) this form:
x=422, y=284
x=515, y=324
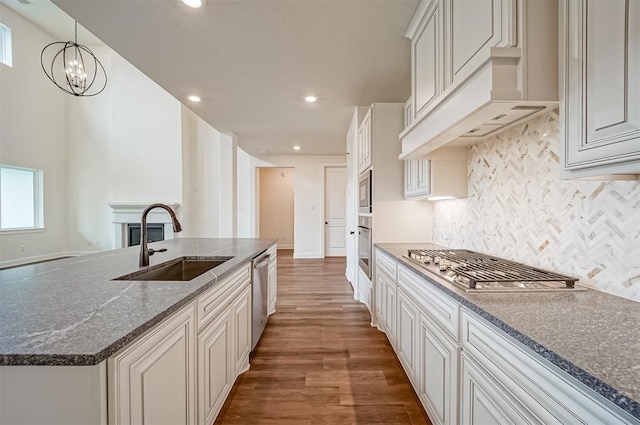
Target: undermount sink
x=180, y=269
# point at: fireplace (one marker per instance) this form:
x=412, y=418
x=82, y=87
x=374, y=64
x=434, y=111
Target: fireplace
x=126, y=224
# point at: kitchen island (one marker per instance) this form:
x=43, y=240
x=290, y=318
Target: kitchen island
x=64, y=324
x=588, y=341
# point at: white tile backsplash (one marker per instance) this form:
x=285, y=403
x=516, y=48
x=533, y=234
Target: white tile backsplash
x=518, y=208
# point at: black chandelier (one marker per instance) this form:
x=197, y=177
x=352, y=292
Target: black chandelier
x=73, y=67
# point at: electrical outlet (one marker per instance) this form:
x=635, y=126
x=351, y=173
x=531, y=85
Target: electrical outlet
x=22, y=248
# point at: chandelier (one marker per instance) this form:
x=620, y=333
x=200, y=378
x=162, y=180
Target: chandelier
x=73, y=67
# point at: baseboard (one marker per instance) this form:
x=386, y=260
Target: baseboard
x=307, y=255
x=285, y=246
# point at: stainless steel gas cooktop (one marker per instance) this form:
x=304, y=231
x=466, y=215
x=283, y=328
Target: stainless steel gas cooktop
x=474, y=271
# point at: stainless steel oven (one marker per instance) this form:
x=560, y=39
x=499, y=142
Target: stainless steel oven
x=365, y=248
x=364, y=193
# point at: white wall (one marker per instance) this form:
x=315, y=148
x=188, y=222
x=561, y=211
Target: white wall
x=32, y=134
x=277, y=205
x=308, y=194
x=208, y=179
x=89, y=134
x=245, y=218
x=146, y=149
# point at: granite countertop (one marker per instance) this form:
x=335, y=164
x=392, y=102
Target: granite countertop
x=593, y=336
x=70, y=312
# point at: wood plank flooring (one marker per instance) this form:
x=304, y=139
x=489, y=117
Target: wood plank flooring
x=319, y=361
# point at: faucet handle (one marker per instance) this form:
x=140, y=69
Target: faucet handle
x=153, y=251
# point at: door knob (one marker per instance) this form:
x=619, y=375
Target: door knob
x=352, y=232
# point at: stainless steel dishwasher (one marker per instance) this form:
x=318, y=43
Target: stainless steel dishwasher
x=259, y=280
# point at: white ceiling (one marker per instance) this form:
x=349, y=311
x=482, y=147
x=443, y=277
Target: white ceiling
x=253, y=61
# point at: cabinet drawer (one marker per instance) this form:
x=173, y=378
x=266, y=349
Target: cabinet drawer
x=548, y=393
x=210, y=304
x=273, y=251
x=444, y=310
x=386, y=263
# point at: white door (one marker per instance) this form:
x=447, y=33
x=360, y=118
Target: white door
x=335, y=211
x=352, y=167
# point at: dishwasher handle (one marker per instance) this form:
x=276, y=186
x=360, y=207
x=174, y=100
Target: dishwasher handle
x=261, y=262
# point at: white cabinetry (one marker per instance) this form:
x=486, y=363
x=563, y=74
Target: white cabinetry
x=438, y=366
x=182, y=370
x=152, y=380
x=365, y=142
x=477, y=68
x=600, y=87
x=215, y=366
x=436, y=350
x=407, y=336
x=441, y=175
x=466, y=371
x=534, y=389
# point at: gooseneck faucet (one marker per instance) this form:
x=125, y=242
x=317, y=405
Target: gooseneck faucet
x=145, y=252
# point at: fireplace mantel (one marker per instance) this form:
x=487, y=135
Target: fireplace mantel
x=127, y=213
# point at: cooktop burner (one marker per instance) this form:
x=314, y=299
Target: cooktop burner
x=476, y=271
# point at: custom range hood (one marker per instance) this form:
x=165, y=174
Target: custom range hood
x=477, y=69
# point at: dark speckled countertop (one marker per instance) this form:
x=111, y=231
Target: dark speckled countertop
x=70, y=312
x=592, y=335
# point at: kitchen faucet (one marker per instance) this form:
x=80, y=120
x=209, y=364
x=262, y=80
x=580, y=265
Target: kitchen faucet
x=144, y=251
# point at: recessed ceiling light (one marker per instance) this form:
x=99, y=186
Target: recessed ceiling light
x=310, y=99
x=544, y=134
x=194, y=3
x=194, y=98
x=296, y=148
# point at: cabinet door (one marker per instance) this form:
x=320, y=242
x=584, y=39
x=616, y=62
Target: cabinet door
x=390, y=310
x=475, y=26
x=422, y=177
x=427, y=60
x=438, y=383
x=600, y=103
x=273, y=285
x=380, y=294
x=409, y=178
x=484, y=402
x=151, y=382
x=407, y=335
x=242, y=330
x=365, y=150
x=216, y=368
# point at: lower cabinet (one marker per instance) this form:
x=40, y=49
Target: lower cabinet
x=438, y=366
x=242, y=327
x=182, y=371
x=407, y=336
x=152, y=380
x=216, y=366
x=482, y=402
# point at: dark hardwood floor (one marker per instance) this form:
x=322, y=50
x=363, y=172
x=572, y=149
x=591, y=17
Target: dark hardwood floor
x=319, y=361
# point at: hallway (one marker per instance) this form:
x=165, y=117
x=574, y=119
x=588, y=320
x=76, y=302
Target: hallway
x=319, y=360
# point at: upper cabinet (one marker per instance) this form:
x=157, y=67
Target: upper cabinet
x=478, y=67
x=365, y=142
x=440, y=175
x=600, y=87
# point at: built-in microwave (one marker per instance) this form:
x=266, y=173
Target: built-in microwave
x=364, y=191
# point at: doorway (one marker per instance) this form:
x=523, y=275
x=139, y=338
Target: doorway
x=335, y=211
x=276, y=205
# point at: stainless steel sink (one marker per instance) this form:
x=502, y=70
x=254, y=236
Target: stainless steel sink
x=180, y=269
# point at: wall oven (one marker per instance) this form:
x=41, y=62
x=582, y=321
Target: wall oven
x=365, y=246
x=364, y=193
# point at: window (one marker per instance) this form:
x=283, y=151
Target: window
x=5, y=45
x=21, y=198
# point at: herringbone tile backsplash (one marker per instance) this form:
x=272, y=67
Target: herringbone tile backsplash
x=518, y=208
